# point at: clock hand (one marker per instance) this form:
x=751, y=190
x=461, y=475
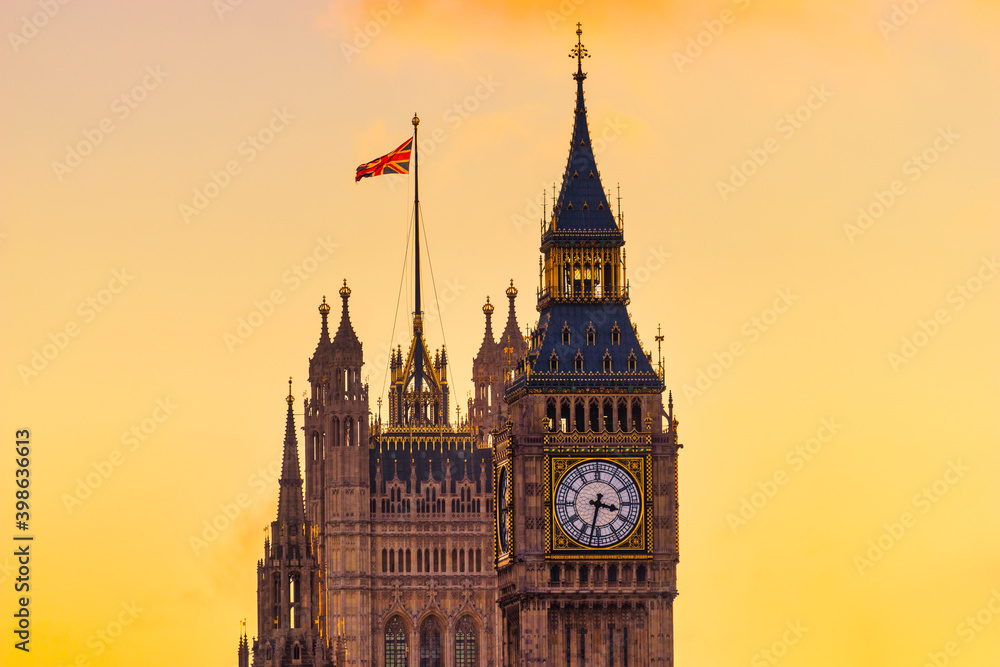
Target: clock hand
x=597, y=508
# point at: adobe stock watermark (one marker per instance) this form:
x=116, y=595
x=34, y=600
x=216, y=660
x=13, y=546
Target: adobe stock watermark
x=968, y=630
x=655, y=260
x=786, y=126
x=752, y=330
x=366, y=34
x=88, y=310
x=132, y=440
x=248, y=149
x=121, y=108
x=565, y=9
x=264, y=308
x=531, y=215
x=958, y=297
x=101, y=641
x=223, y=520
x=922, y=501
x=32, y=23
x=900, y=15
x=914, y=167
x=223, y=7
x=696, y=44
x=779, y=648
x=454, y=116
x=796, y=458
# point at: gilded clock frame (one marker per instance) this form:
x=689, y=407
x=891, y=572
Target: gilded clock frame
x=561, y=454
x=505, y=557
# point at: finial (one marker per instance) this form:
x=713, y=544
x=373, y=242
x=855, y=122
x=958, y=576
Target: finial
x=619, y=204
x=345, y=291
x=488, y=307
x=511, y=291
x=416, y=121
x=579, y=52
x=290, y=399
x=324, y=308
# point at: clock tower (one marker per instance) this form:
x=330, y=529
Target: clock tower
x=585, y=466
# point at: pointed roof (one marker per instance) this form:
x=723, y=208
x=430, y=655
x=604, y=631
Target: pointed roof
x=346, y=340
x=291, y=508
x=583, y=342
x=488, y=347
x=512, y=336
x=324, y=332
x=581, y=211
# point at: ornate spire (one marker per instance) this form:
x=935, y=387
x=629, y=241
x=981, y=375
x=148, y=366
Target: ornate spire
x=346, y=338
x=512, y=341
x=291, y=510
x=488, y=346
x=324, y=332
x=582, y=207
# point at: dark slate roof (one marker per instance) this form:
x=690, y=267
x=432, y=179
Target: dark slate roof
x=417, y=465
x=578, y=319
x=582, y=208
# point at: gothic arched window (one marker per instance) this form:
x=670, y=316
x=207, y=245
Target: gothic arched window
x=430, y=644
x=466, y=646
x=395, y=643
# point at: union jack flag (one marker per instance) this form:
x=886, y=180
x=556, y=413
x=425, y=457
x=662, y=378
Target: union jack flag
x=396, y=162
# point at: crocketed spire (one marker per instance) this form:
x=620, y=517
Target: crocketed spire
x=512, y=344
x=488, y=347
x=582, y=206
x=291, y=509
x=324, y=332
x=346, y=340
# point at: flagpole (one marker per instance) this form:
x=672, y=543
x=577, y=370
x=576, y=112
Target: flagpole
x=417, y=315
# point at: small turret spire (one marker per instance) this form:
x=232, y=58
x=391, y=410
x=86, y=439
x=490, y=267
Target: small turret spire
x=512, y=343
x=291, y=509
x=324, y=312
x=346, y=339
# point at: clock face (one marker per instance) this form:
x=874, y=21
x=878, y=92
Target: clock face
x=503, y=512
x=598, y=504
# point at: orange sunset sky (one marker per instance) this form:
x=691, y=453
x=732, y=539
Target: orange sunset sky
x=810, y=195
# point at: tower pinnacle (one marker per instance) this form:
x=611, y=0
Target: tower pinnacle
x=346, y=340
x=291, y=510
x=324, y=312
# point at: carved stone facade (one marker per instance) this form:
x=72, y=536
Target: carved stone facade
x=397, y=527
